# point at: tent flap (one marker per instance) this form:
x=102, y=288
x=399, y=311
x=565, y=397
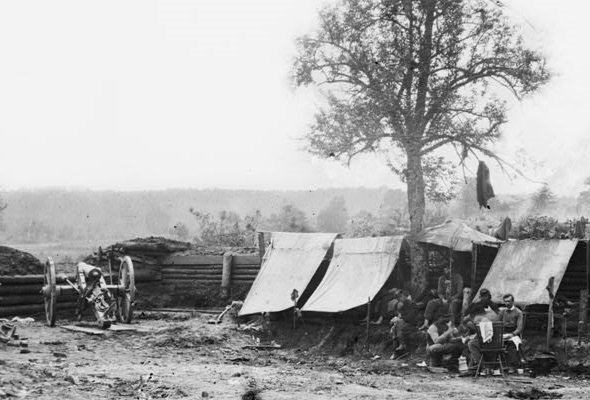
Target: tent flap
x=356, y=273
x=523, y=268
x=290, y=263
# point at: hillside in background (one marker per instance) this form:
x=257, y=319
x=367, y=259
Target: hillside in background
x=49, y=216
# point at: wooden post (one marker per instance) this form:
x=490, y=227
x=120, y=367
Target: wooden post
x=473, y=266
x=261, y=245
x=451, y=271
x=583, y=318
x=588, y=265
x=368, y=320
x=294, y=297
x=226, y=275
x=550, y=313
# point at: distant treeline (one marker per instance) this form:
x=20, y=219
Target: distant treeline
x=51, y=215
x=201, y=215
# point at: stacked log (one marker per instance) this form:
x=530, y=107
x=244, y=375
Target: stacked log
x=209, y=269
x=245, y=269
x=21, y=294
x=193, y=268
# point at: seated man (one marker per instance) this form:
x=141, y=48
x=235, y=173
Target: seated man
x=386, y=304
x=485, y=302
x=480, y=311
x=513, y=321
x=451, y=287
x=511, y=317
x=404, y=324
x=443, y=339
x=434, y=308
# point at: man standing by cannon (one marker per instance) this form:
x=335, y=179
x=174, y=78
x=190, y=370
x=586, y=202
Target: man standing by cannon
x=94, y=292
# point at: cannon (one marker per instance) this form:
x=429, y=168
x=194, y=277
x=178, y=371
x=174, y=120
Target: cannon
x=108, y=302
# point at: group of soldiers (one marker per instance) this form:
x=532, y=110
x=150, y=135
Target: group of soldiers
x=451, y=329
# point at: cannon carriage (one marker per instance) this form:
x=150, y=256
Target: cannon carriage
x=108, y=302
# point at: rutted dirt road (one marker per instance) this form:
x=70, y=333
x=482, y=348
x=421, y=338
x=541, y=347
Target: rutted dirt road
x=186, y=358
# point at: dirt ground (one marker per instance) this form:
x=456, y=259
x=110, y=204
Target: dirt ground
x=179, y=356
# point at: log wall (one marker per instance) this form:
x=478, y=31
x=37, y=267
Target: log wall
x=175, y=280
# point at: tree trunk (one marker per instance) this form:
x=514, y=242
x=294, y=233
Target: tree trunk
x=416, y=210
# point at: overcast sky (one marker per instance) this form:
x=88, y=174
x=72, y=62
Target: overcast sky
x=130, y=95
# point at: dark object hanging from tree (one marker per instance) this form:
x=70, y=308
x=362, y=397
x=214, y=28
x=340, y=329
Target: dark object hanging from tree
x=485, y=191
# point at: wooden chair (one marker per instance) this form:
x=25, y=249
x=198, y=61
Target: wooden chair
x=495, y=348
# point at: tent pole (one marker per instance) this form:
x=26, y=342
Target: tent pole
x=368, y=320
x=549, y=288
x=451, y=267
x=587, y=264
x=582, y=328
x=473, y=267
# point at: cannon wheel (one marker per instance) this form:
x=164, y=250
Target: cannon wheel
x=49, y=292
x=126, y=298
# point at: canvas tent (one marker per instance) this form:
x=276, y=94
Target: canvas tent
x=523, y=268
x=469, y=251
x=455, y=235
x=290, y=262
x=357, y=271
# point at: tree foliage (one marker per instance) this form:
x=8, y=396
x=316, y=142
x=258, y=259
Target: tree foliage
x=392, y=215
x=363, y=224
x=225, y=230
x=333, y=218
x=543, y=200
x=289, y=219
x=583, y=201
x=407, y=78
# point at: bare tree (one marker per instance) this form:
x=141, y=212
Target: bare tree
x=407, y=78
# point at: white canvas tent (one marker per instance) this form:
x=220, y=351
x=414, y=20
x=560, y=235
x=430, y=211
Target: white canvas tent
x=357, y=271
x=290, y=262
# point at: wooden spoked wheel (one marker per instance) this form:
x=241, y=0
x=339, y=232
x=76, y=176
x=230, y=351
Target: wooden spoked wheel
x=126, y=296
x=49, y=292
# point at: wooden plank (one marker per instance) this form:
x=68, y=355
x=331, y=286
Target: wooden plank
x=31, y=279
x=247, y=268
x=191, y=276
x=90, y=331
x=241, y=259
x=192, y=280
x=197, y=260
x=192, y=268
x=208, y=271
x=192, y=260
x=20, y=289
x=123, y=328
